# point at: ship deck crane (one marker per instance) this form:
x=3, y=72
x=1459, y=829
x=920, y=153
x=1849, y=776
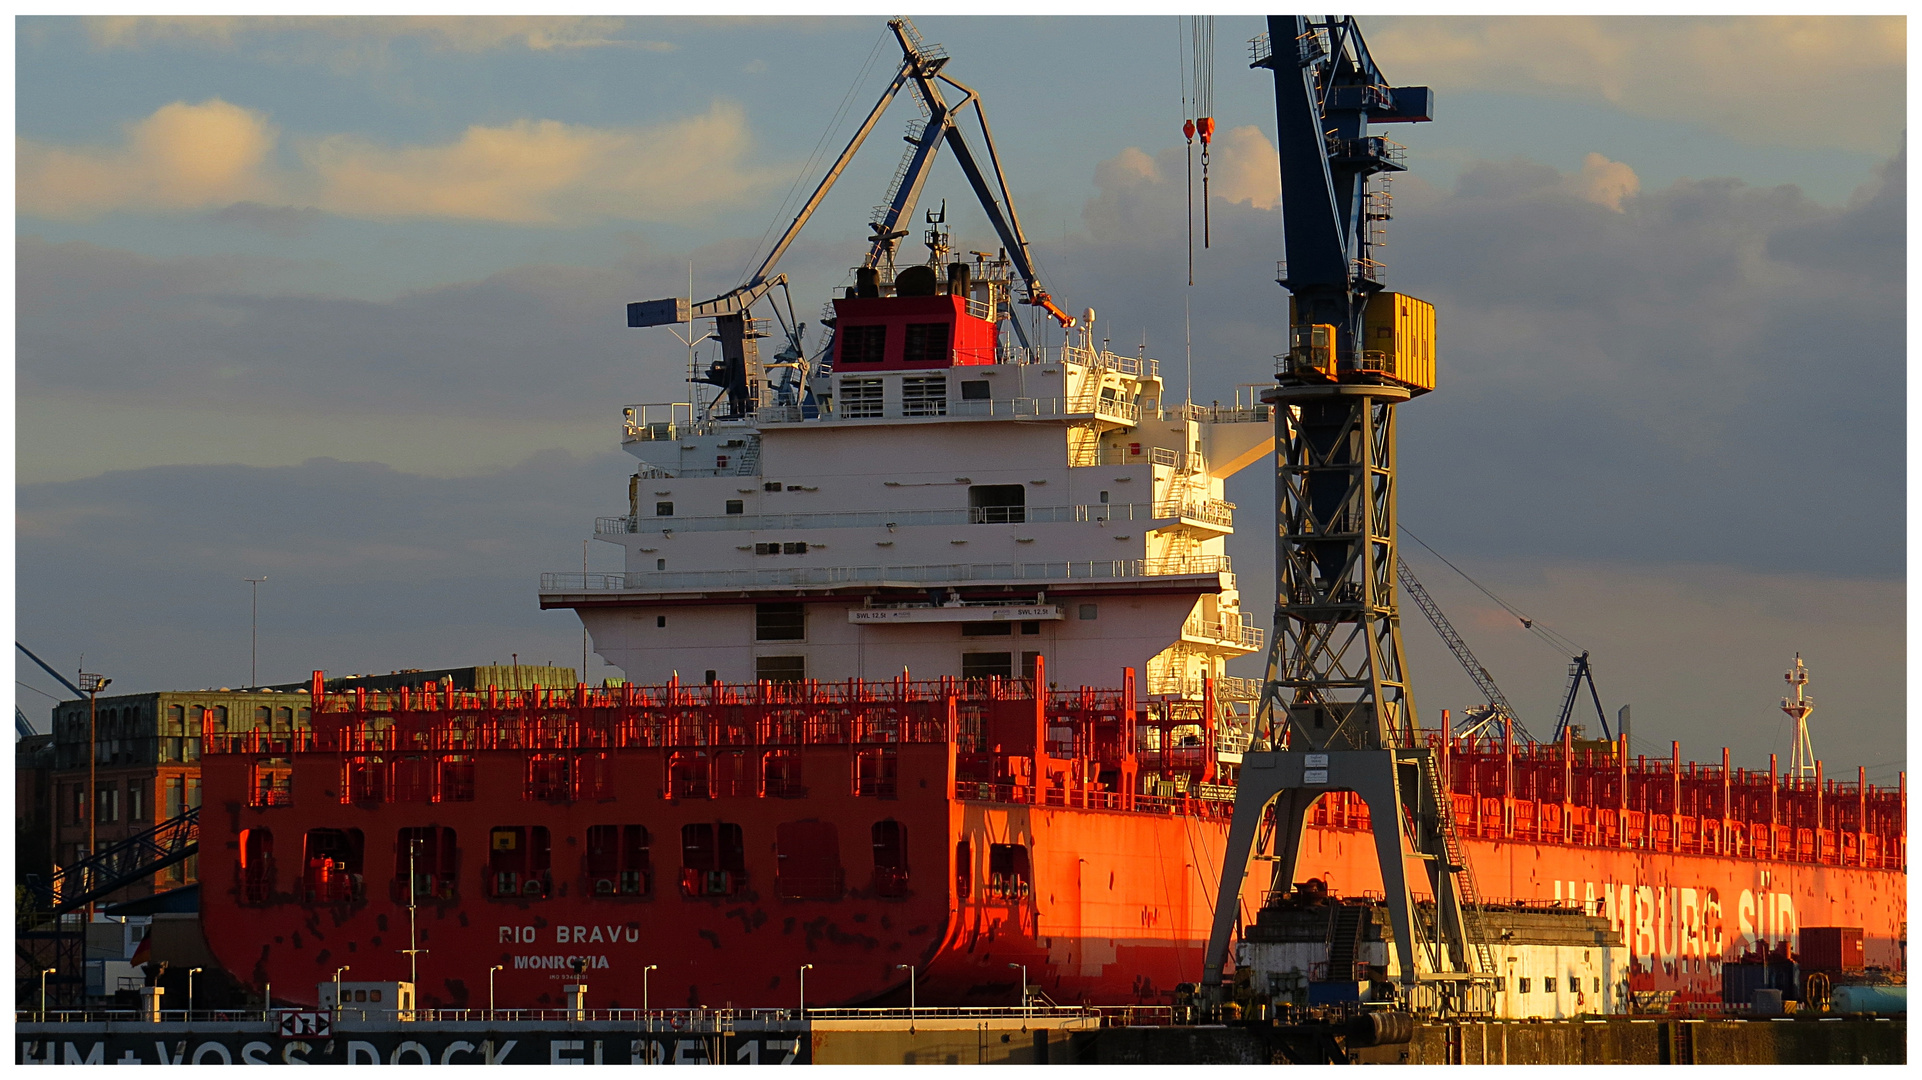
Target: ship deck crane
x=1497, y=701
x=922, y=70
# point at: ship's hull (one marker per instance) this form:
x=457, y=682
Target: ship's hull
x=1113, y=908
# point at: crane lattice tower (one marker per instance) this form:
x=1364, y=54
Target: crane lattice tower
x=1337, y=712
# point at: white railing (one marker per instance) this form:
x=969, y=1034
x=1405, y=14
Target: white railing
x=946, y=573
x=1021, y=408
x=874, y=519
x=1087, y=358
x=1184, y=462
x=1232, y=633
x=1212, y=511
x=1227, y=687
x=1220, y=414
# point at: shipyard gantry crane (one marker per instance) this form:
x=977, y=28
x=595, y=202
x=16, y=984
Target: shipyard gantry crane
x=738, y=373
x=1336, y=711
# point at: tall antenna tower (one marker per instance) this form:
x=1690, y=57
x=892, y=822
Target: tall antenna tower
x=1802, y=754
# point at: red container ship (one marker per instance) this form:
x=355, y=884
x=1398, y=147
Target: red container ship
x=938, y=491
x=721, y=837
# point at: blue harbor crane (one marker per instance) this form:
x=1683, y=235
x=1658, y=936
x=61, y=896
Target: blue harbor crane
x=1336, y=711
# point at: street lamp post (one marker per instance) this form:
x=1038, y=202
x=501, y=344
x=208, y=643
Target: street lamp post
x=911, y=1008
x=644, y=1009
x=44, y=972
x=490, y=989
x=92, y=683
x=337, y=971
x=191, y=972
x=804, y=989
x=1024, y=994
x=254, y=673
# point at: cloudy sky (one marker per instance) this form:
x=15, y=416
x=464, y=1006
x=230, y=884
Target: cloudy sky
x=339, y=301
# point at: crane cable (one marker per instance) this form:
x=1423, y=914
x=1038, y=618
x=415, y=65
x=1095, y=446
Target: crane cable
x=1188, y=131
x=1202, y=36
x=811, y=166
x=1533, y=626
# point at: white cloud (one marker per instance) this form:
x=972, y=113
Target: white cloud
x=540, y=33
x=1603, y=182
x=181, y=157
x=215, y=154
x=1801, y=81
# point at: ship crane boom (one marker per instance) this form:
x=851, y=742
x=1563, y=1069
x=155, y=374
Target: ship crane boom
x=1498, y=702
x=738, y=372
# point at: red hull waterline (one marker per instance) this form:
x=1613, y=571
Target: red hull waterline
x=712, y=841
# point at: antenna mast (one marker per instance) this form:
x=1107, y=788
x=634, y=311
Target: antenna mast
x=1802, y=755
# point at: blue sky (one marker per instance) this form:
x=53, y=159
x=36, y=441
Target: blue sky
x=381, y=263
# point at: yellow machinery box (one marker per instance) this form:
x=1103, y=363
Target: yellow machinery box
x=1398, y=334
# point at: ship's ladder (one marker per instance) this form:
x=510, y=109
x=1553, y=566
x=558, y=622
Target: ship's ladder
x=1474, y=925
x=750, y=458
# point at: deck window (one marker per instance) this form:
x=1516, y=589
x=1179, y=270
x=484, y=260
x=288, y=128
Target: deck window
x=807, y=860
x=332, y=866
x=780, y=668
x=713, y=859
x=1009, y=873
x=997, y=504
x=890, y=839
x=432, y=864
x=963, y=869
x=985, y=665
x=616, y=862
x=780, y=622
x=519, y=862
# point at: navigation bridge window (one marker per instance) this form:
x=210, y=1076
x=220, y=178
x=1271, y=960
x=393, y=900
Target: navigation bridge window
x=861, y=345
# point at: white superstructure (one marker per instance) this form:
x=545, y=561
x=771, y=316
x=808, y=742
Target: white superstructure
x=934, y=515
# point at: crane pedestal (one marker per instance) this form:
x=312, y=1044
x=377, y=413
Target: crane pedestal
x=1400, y=787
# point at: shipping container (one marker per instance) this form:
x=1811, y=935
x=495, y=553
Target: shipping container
x=1832, y=948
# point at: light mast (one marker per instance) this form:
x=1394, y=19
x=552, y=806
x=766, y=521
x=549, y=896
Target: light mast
x=1802, y=754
